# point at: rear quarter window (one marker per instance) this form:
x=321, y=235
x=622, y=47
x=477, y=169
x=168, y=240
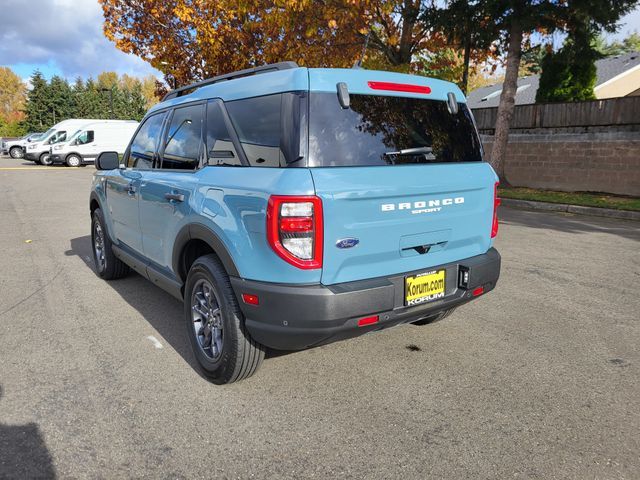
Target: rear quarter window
x=257, y=123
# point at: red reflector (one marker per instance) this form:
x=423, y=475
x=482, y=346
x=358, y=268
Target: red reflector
x=363, y=322
x=496, y=204
x=399, y=87
x=296, y=224
x=250, y=299
x=478, y=291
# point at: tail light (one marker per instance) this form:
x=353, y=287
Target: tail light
x=294, y=229
x=496, y=204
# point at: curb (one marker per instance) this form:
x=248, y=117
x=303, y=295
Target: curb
x=576, y=209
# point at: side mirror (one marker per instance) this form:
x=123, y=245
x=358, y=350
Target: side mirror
x=107, y=161
x=452, y=103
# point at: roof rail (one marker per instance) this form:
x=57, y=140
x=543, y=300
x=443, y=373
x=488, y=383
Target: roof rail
x=179, y=92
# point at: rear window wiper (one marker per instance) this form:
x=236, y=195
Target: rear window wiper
x=411, y=151
x=427, y=152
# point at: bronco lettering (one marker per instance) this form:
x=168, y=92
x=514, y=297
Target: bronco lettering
x=419, y=206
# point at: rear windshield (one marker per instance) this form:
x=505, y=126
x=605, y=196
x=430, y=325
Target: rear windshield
x=384, y=130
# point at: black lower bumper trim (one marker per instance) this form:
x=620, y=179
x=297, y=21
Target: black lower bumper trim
x=291, y=317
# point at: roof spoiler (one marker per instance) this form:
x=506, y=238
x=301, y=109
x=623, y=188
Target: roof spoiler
x=187, y=89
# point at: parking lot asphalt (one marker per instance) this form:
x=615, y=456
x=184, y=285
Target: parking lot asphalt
x=539, y=379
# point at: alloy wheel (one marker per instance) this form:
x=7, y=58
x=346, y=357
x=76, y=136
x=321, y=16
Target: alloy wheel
x=207, y=319
x=98, y=247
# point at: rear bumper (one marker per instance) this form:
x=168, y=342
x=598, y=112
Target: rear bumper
x=291, y=317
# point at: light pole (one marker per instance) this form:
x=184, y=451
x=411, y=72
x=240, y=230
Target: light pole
x=110, y=90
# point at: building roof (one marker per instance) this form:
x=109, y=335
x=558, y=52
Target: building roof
x=607, y=68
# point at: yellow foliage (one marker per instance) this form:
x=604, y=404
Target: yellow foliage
x=12, y=95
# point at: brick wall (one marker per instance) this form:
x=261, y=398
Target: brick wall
x=577, y=162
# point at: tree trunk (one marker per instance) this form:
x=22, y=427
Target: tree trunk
x=507, y=101
x=467, y=59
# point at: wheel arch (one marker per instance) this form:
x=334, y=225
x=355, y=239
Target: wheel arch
x=94, y=202
x=194, y=240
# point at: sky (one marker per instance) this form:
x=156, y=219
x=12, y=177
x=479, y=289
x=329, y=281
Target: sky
x=64, y=37
x=61, y=37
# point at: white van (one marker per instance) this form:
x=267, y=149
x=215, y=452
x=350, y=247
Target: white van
x=92, y=139
x=39, y=151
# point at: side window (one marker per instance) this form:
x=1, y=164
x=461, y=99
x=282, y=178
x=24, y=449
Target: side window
x=184, y=139
x=143, y=146
x=59, y=136
x=220, y=148
x=257, y=122
x=85, y=137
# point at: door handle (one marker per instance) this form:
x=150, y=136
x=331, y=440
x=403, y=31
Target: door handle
x=178, y=197
x=131, y=190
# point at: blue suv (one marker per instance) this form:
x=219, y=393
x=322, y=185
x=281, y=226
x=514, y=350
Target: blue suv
x=291, y=207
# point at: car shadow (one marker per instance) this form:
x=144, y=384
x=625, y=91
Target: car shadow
x=23, y=452
x=163, y=312
x=569, y=223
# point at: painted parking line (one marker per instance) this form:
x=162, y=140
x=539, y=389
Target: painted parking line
x=38, y=168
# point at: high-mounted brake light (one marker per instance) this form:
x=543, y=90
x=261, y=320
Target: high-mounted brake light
x=399, y=87
x=295, y=229
x=496, y=204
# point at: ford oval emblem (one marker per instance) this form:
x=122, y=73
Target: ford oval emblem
x=347, y=242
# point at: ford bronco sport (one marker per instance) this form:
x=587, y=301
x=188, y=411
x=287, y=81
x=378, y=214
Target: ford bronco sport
x=291, y=207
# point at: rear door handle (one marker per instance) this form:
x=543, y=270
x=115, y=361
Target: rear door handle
x=178, y=197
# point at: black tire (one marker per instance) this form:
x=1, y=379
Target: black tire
x=45, y=159
x=108, y=266
x=239, y=356
x=16, y=152
x=434, y=318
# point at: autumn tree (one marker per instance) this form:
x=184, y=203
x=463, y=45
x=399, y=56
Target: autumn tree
x=202, y=38
x=12, y=96
x=468, y=26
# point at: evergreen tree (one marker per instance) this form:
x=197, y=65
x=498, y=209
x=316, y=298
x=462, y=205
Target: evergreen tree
x=37, y=119
x=137, y=102
x=630, y=44
x=570, y=74
x=54, y=101
x=93, y=101
x=77, y=92
x=59, y=99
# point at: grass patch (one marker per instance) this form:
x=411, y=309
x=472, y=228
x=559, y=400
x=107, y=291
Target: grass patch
x=585, y=199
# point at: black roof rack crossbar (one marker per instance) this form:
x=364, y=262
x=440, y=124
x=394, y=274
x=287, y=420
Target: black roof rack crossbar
x=178, y=92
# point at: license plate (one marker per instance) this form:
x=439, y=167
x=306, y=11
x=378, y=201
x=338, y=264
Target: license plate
x=424, y=287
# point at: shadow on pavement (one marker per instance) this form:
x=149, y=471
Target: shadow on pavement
x=23, y=453
x=163, y=312
x=569, y=223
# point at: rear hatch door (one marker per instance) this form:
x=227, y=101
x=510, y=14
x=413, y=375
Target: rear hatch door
x=400, y=174
x=403, y=218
